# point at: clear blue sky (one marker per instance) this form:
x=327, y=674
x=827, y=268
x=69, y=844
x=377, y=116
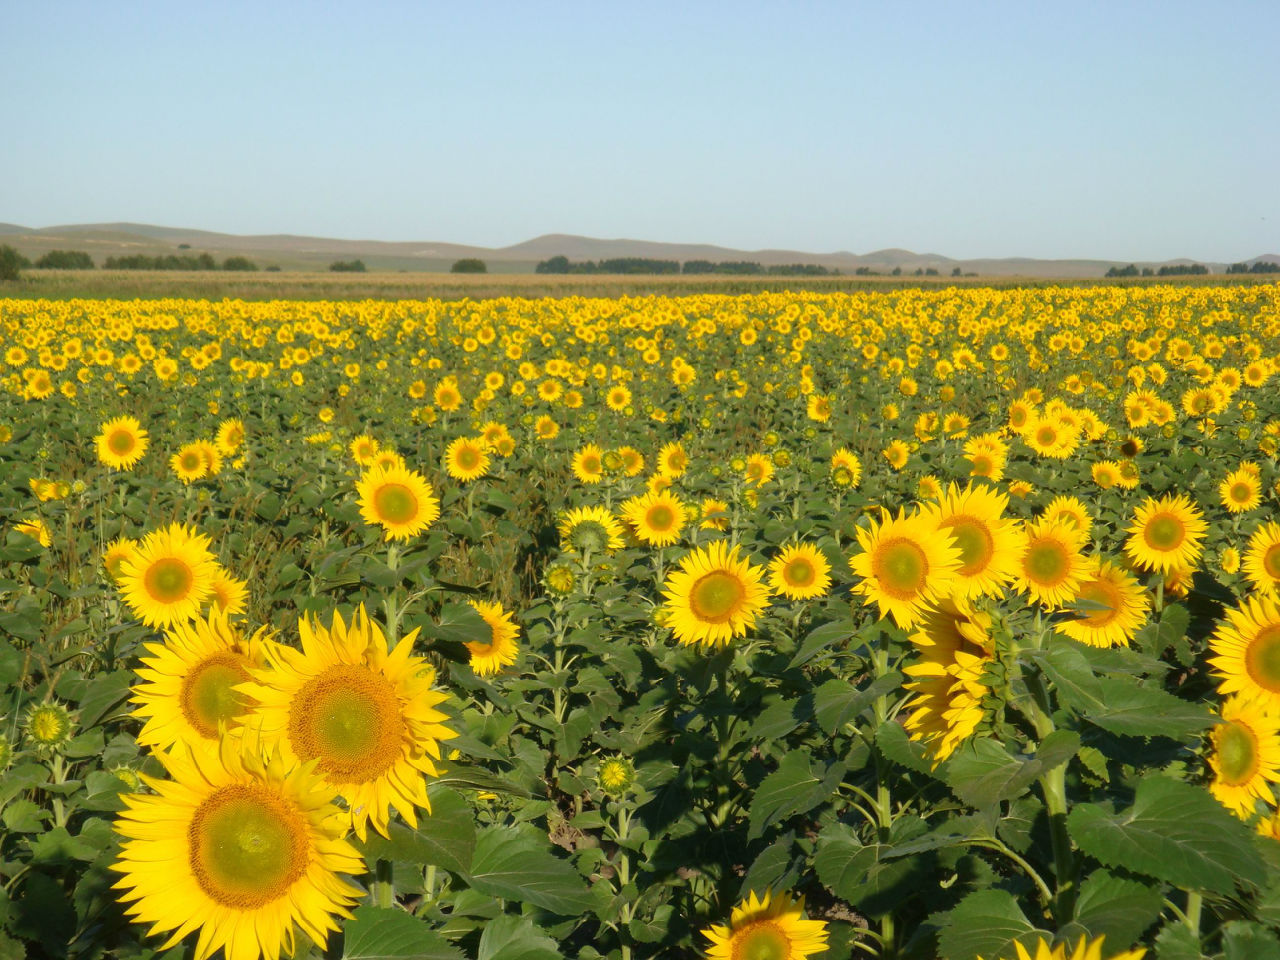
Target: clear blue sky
x=1114, y=130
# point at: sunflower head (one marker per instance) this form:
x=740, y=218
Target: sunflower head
x=122, y=443
x=714, y=596
x=49, y=726
x=169, y=577
x=906, y=565
x=771, y=927
x=400, y=500
x=1166, y=534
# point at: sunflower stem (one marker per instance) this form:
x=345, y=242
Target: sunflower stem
x=383, y=889
x=1192, y=916
x=1054, y=787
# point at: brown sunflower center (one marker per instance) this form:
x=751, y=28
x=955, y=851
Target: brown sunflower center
x=901, y=567
x=974, y=539
x=120, y=442
x=1241, y=493
x=1262, y=658
x=168, y=580
x=1164, y=531
x=591, y=463
x=247, y=846
x=1271, y=561
x=349, y=719
x=715, y=597
x=1046, y=436
x=1237, y=752
x=798, y=572
x=761, y=940
x=208, y=694
x=468, y=458
x=395, y=503
x=660, y=518
x=1048, y=562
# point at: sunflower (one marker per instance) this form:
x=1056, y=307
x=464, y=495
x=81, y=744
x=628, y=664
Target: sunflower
x=365, y=716
x=466, y=459
x=818, y=407
x=1262, y=558
x=1166, y=534
x=592, y=529
x=546, y=428
x=169, y=577
x=759, y=469
x=1246, y=756
x=122, y=443
x=673, y=461
x=241, y=848
x=632, y=461
x=617, y=398
x=847, y=460
x=1051, y=568
x=954, y=647
x=1071, y=511
x=230, y=436
x=188, y=691
x=714, y=514
x=1247, y=645
x=1085, y=949
x=1106, y=473
x=227, y=593
x=896, y=453
x=768, y=928
x=714, y=596
x=501, y=650
x=906, y=564
x=656, y=518
x=1117, y=608
x=987, y=541
x=588, y=464
x=800, y=572
x=1241, y=490
x=113, y=558
x=189, y=463
x=399, y=499
x=36, y=529
x=363, y=449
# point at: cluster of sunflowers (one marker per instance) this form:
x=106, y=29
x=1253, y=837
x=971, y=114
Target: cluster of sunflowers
x=906, y=544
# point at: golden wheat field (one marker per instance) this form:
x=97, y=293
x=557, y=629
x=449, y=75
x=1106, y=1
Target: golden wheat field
x=916, y=623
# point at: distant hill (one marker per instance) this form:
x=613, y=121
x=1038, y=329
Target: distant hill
x=102, y=240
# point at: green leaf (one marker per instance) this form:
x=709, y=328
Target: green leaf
x=982, y=773
x=1249, y=941
x=895, y=745
x=1175, y=832
x=773, y=869
x=871, y=876
x=102, y=694
x=793, y=788
x=444, y=838
x=374, y=933
x=516, y=938
x=780, y=718
x=460, y=623
x=1176, y=942
x=23, y=816
x=837, y=702
x=516, y=864
x=1117, y=908
x=819, y=638
x=986, y=924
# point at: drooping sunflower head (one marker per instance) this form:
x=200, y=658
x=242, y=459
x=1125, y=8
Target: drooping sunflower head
x=591, y=529
x=1166, y=534
x=1246, y=755
x=772, y=927
x=714, y=596
x=230, y=436
x=238, y=846
x=228, y=594
x=907, y=565
x=800, y=572
x=170, y=576
x=1110, y=607
x=36, y=529
x=713, y=514
x=499, y=649
x=1051, y=566
x=188, y=692
x=122, y=443
x=466, y=459
x=366, y=718
x=398, y=499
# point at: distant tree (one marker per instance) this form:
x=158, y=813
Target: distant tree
x=11, y=263
x=65, y=260
x=347, y=266
x=184, y=246
x=956, y=272
x=1148, y=272
x=239, y=263
x=930, y=272
x=273, y=268
x=919, y=271
x=557, y=264
x=897, y=272
x=1264, y=266
x=469, y=265
x=1130, y=271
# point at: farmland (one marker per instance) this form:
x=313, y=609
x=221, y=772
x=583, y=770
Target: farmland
x=891, y=621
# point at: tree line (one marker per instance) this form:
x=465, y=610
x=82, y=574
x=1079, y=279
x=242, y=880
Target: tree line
x=647, y=265
x=1191, y=269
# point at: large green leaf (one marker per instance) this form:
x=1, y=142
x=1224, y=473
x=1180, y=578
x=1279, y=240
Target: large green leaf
x=837, y=702
x=986, y=924
x=516, y=938
x=446, y=837
x=982, y=773
x=517, y=864
x=795, y=787
x=1117, y=908
x=1175, y=832
x=374, y=933
x=872, y=876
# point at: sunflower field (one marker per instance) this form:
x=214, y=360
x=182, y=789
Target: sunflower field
x=907, y=624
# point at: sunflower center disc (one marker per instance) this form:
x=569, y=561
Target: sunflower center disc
x=1262, y=659
x=591, y=464
x=348, y=718
x=1047, y=562
x=716, y=597
x=395, y=503
x=901, y=567
x=762, y=941
x=1241, y=493
x=1046, y=436
x=1271, y=561
x=660, y=518
x=246, y=846
x=798, y=573
x=468, y=459
x=168, y=580
x=1164, y=532
x=1105, y=594
x=975, y=543
x=1237, y=752
x=208, y=696
x=120, y=442
x=46, y=726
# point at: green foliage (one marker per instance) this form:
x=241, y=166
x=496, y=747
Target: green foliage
x=11, y=263
x=469, y=265
x=65, y=260
x=347, y=266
